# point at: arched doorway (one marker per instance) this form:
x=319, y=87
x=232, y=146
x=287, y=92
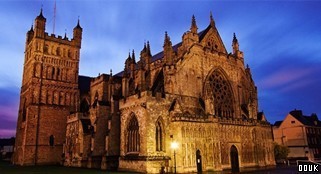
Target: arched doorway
x=234, y=159
x=199, y=161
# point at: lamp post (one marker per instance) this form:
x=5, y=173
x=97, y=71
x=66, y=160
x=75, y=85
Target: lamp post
x=174, y=146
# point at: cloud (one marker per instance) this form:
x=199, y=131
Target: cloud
x=287, y=77
x=9, y=113
x=280, y=41
x=7, y=133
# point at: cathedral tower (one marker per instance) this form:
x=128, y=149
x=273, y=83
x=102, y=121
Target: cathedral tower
x=49, y=93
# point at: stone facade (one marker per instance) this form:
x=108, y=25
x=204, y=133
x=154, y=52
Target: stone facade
x=49, y=93
x=194, y=93
x=92, y=137
x=198, y=95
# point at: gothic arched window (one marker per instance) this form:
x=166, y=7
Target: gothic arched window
x=219, y=91
x=58, y=51
x=133, y=135
x=45, y=49
x=84, y=106
x=159, y=136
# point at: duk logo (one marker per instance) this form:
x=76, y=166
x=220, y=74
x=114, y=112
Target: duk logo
x=309, y=167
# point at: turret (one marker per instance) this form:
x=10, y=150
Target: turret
x=235, y=46
x=29, y=35
x=40, y=25
x=111, y=79
x=248, y=71
x=190, y=37
x=125, y=79
x=145, y=57
x=77, y=35
x=194, y=26
x=168, y=50
x=127, y=66
x=132, y=65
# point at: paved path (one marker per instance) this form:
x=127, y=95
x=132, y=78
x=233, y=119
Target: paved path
x=6, y=167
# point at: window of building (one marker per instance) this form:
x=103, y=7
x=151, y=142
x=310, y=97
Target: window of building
x=51, y=140
x=133, y=135
x=292, y=122
x=159, y=136
x=24, y=111
x=53, y=73
x=58, y=51
x=218, y=89
x=45, y=50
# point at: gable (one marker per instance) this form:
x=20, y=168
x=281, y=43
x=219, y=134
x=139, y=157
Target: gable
x=290, y=121
x=211, y=39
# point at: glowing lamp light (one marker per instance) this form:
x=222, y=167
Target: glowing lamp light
x=174, y=145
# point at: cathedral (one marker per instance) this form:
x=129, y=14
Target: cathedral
x=192, y=107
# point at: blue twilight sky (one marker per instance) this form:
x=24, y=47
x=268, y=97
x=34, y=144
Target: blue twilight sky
x=281, y=41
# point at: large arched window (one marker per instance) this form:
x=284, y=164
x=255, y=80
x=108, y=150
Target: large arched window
x=219, y=91
x=159, y=136
x=133, y=135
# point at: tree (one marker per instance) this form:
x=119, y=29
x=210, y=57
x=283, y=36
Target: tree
x=280, y=151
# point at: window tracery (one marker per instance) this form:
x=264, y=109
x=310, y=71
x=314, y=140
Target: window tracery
x=133, y=135
x=159, y=136
x=219, y=91
x=211, y=44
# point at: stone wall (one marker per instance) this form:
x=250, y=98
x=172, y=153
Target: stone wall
x=49, y=93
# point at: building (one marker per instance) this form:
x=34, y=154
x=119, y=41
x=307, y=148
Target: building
x=6, y=148
x=92, y=134
x=49, y=93
x=301, y=133
x=194, y=93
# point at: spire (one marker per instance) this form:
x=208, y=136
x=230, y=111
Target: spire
x=133, y=56
x=78, y=24
x=168, y=50
x=148, y=49
x=65, y=34
x=167, y=39
x=40, y=25
x=77, y=34
x=31, y=29
x=193, y=26
x=143, y=50
x=128, y=58
x=235, y=39
x=40, y=16
x=111, y=72
x=127, y=64
x=212, y=23
x=235, y=44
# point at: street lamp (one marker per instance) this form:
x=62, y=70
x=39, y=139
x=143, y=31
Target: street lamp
x=174, y=146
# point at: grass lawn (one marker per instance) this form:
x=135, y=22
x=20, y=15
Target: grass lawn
x=7, y=167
